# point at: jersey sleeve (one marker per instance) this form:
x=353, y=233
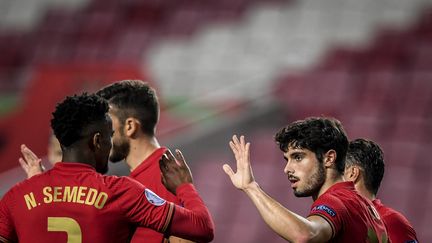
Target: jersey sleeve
x=332, y=210
x=142, y=206
x=399, y=229
x=7, y=230
x=193, y=221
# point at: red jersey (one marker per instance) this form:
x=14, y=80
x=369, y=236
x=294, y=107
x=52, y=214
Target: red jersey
x=148, y=173
x=74, y=203
x=398, y=227
x=351, y=216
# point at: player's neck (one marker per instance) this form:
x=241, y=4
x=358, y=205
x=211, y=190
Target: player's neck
x=332, y=178
x=77, y=155
x=361, y=189
x=140, y=149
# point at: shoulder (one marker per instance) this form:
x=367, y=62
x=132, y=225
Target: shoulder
x=112, y=180
x=393, y=217
x=328, y=204
x=331, y=199
x=21, y=186
x=121, y=183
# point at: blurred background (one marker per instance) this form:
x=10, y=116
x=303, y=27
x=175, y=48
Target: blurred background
x=224, y=67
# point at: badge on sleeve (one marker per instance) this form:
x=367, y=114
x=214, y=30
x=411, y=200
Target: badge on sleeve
x=153, y=198
x=324, y=208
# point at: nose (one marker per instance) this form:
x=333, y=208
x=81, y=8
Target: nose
x=288, y=168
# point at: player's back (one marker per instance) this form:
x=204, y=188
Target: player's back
x=74, y=203
x=398, y=227
x=352, y=217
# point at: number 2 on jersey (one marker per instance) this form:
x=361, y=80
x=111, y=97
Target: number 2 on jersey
x=68, y=225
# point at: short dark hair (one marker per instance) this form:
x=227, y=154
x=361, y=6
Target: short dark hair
x=134, y=98
x=75, y=115
x=317, y=134
x=369, y=156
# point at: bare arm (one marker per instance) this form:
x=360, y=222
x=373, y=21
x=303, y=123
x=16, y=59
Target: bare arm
x=173, y=239
x=284, y=222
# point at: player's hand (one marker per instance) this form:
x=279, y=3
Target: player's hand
x=174, y=170
x=243, y=178
x=30, y=163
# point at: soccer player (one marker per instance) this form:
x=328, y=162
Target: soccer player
x=365, y=167
x=134, y=109
x=315, y=150
x=73, y=202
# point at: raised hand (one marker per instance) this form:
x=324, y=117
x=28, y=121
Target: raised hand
x=30, y=163
x=243, y=178
x=174, y=170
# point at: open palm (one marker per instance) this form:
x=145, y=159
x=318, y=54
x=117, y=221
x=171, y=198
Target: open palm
x=243, y=177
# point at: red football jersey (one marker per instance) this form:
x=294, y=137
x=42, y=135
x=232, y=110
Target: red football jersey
x=398, y=227
x=74, y=203
x=148, y=173
x=351, y=216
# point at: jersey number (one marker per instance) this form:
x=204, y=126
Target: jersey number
x=68, y=225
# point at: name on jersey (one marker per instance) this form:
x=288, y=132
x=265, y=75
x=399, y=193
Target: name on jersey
x=71, y=194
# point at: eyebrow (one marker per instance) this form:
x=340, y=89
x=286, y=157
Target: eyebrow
x=295, y=153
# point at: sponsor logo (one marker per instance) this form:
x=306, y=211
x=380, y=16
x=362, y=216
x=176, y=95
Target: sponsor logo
x=325, y=209
x=153, y=198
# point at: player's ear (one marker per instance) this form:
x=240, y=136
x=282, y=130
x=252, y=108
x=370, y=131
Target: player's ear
x=96, y=141
x=330, y=158
x=131, y=126
x=352, y=173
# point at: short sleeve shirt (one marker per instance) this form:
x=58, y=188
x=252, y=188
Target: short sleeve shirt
x=351, y=216
x=398, y=227
x=72, y=201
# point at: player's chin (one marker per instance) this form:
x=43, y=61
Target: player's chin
x=116, y=159
x=300, y=193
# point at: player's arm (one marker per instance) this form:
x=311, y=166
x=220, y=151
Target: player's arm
x=173, y=239
x=193, y=221
x=284, y=222
x=4, y=240
x=31, y=164
x=7, y=230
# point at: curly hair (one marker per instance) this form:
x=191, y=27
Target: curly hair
x=317, y=134
x=133, y=98
x=75, y=115
x=369, y=156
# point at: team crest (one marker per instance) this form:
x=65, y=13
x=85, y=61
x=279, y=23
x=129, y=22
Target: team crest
x=153, y=198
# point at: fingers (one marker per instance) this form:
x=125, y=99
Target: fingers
x=228, y=170
x=168, y=160
x=23, y=164
x=242, y=141
x=29, y=156
x=247, y=151
x=238, y=144
x=170, y=156
x=163, y=179
x=180, y=158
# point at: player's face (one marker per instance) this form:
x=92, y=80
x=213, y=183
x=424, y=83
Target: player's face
x=305, y=172
x=105, y=147
x=121, y=146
